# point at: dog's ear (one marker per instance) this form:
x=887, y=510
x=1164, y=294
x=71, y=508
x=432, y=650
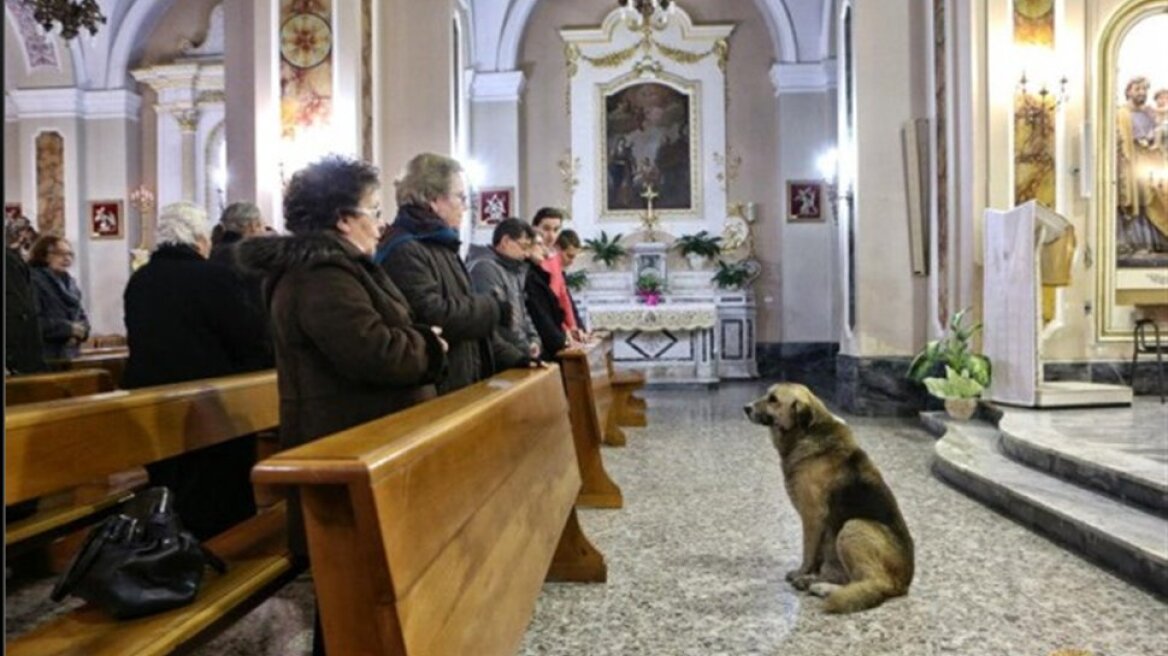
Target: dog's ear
x=802, y=413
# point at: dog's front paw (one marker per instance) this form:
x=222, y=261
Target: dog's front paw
x=794, y=574
x=802, y=581
x=823, y=588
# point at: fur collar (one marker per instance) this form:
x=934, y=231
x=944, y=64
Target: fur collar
x=275, y=255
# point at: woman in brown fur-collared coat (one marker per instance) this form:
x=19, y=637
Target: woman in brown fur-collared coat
x=348, y=350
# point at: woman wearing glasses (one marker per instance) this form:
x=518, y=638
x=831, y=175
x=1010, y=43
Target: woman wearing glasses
x=64, y=324
x=420, y=254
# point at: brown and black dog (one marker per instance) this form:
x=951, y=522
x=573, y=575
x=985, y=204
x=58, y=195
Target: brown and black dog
x=857, y=551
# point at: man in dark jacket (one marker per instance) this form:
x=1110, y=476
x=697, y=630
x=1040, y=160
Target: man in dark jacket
x=241, y=221
x=420, y=254
x=183, y=323
x=501, y=271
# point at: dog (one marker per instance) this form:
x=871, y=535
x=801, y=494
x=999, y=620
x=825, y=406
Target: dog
x=857, y=551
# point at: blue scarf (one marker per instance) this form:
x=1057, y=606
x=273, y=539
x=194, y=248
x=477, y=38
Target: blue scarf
x=416, y=223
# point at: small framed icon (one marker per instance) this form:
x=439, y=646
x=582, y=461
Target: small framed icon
x=105, y=219
x=804, y=200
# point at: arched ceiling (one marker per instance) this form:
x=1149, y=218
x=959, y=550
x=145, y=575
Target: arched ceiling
x=100, y=61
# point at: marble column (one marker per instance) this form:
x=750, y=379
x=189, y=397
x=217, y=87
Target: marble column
x=188, y=123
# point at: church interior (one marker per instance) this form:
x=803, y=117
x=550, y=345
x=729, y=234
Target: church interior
x=947, y=220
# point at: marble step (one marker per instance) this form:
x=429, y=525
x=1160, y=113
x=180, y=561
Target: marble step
x=1093, y=456
x=1129, y=540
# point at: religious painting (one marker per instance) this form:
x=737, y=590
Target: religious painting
x=647, y=135
x=105, y=219
x=306, y=81
x=494, y=205
x=804, y=200
x=13, y=211
x=1131, y=177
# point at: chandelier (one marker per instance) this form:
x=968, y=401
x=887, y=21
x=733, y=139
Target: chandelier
x=72, y=15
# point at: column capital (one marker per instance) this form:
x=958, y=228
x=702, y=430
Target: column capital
x=187, y=117
x=498, y=86
x=803, y=77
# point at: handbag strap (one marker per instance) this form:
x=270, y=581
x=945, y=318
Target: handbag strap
x=84, y=559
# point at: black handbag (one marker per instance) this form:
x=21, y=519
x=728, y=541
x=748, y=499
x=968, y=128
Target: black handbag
x=138, y=562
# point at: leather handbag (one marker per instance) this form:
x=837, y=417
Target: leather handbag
x=140, y=561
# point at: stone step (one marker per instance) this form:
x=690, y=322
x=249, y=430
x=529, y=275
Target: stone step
x=1129, y=540
x=1098, y=456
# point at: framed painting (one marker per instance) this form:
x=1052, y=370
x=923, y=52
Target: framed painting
x=804, y=200
x=647, y=146
x=494, y=205
x=105, y=219
x=1132, y=168
x=13, y=211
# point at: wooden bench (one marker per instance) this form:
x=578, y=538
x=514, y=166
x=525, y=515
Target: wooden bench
x=35, y=388
x=431, y=531
x=627, y=409
x=112, y=360
x=589, y=393
x=57, y=445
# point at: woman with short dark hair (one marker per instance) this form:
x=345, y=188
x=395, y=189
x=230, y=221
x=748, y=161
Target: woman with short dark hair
x=348, y=350
x=64, y=324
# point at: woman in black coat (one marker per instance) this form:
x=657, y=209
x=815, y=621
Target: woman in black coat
x=187, y=319
x=542, y=304
x=64, y=324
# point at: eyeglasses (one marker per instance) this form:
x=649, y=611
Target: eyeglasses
x=374, y=214
x=460, y=196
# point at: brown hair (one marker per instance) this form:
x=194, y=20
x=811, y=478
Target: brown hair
x=39, y=255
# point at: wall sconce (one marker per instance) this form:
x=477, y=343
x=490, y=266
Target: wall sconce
x=1034, y=106
x=141, y=199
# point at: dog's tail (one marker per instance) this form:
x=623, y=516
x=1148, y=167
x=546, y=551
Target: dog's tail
x=860, y=595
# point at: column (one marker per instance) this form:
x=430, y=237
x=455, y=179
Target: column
x=188, y=123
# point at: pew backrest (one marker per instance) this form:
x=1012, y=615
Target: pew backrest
x=56, y=445
x=112, y=360
x=36, y=388
x=431, y=530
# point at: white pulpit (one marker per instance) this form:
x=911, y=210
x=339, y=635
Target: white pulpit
x=1013, y=314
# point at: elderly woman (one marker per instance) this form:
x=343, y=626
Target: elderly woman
x=64, y=324
x=348, y=349
x=183, y=322
x=420, y=254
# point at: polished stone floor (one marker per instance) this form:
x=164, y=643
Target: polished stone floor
x=697, y=555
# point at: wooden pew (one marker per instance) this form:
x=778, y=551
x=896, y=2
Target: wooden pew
x=432, y=530
x=112, y=360
x=57, y=445
x=35, y=388
x=85, y=502
x=590, y=401
x=628, y=408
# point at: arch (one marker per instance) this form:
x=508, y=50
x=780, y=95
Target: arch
x=36, y=46
x=774, y=13
x=140, y=18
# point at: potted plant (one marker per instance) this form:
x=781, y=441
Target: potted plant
x=966, y=373
x=576, y=280
x=731, y=275
x=699, y=247
x=649, y=289
x=605, y=250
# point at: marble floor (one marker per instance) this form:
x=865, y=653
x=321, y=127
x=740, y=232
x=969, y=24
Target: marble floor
x=697, y=555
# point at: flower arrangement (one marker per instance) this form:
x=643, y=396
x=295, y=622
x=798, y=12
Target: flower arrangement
x=605, y=250
x=701, y=243
x=966, y=373
x=731, y=275
x=576, y=280
x=649, y=288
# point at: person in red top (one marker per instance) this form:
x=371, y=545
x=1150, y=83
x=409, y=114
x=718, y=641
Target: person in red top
x=548, y=221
